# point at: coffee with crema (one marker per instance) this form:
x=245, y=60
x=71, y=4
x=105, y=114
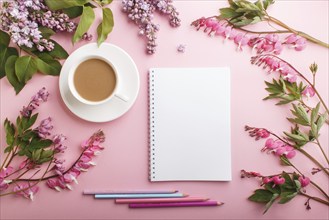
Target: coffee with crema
x=94, y=80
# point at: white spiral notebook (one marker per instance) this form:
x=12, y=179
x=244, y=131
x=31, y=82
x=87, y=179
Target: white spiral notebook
x=189, y=113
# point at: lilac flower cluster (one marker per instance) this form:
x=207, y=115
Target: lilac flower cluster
x=22, y=18
x=41, y=96
x=141, y=13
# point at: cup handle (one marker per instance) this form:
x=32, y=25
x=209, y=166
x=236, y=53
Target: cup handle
x=122, y=97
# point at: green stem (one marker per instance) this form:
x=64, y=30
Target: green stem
x=10, y=193
x=324, y=154
x=320, y=189
x=5, y=161
x=313, y=160
x=313, y=183
x=315, y=198
x=300, y=33
x=56, y=175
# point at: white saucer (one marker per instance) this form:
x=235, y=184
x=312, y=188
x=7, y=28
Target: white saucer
x=129, y=85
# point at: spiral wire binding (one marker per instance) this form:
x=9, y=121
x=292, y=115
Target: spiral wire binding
x=151, y=126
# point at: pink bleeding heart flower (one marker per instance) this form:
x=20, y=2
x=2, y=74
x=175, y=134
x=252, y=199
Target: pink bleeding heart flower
x=230, y=33
x=291, y=77
x=220, y=30
x=267, y=180
x=300, y=44
x=304, y=181
x=85, y=158
x=279, y=151
x=284, y=68
x=308, y=92
x=210, y=22
x=272, y=37
x=291, y=154
x=6, y=171
x=278, y=180
x=241, y=40
x=85, y=144
x=291, y=39
x=4, y=184
x=25, y=190
x=278, y=48
x=54, y=184
x=71, y=177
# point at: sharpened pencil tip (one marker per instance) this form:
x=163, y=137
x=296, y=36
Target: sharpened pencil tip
x=185, y=195
x=220, y=203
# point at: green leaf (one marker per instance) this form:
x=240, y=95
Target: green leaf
x=58, y=52
x=31, y=121
x=47, y=153
x=261, y=196
x=47, y=65
x=10, y=132
x=302, y=113
x=46, y=32
x=298, y=184
x=275, y=189
x=86, y=20
x=73, y=12
x=294, y=137
x=4, y=38
x=321, y=121
x=270, y=203
x=106, y=26
x=228, y=13
x=242, y=23
x=314, y=130
x=105, y=2
x=25, y=67
x=5, y=53
x=36, y=155
x=57, y=4
x=38, y=144
x=314, y=113
x=43, y=160
x=289, y=184
x=11, y=75
x=29, y=134
x=287, y=196
x=267, y=3
x=285, y=161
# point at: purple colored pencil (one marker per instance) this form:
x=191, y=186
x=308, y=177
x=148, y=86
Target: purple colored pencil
x=175, y=204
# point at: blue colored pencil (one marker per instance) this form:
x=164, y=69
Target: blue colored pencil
x=131, y=196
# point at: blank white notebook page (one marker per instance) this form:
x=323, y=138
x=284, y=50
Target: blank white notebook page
x=190, y=124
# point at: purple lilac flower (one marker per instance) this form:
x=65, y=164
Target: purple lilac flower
x=181, y=48
x=141, y=13
x=41, y=96
x=21, y=19
x=58, y=143
x=87, y=37
x=44, y=128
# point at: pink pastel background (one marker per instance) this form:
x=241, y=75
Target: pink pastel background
x=124, y=162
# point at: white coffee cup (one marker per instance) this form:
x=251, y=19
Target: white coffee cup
x=115, y=93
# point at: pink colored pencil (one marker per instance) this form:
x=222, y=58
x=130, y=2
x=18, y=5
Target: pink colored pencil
x=160, y=200
x=102, y=191
x=175, y=204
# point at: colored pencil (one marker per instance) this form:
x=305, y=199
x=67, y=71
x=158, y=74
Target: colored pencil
x=160, y=200
x=93, y=192
x=175, y=204
x=131, y=196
